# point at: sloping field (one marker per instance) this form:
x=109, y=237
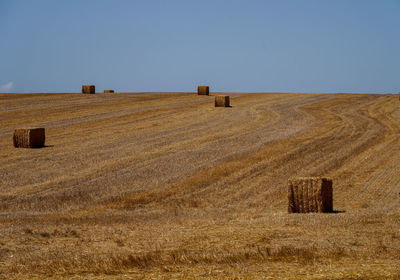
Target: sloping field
x=164, y=185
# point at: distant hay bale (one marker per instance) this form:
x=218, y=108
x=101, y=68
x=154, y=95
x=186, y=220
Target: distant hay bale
x=222, y=101
x=108, y=91
x=88, y=89
x=203, y=90
x=312, y=194
x=29, y=138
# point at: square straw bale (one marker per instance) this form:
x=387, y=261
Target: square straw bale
x=29, y=138
x=222, y=101
x=203, y=90
x=88, y=89
x=310, y=194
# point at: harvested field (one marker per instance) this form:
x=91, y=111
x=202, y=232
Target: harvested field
x=163, y=185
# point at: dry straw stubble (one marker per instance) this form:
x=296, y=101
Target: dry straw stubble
x=311, y=194
x=29, y=138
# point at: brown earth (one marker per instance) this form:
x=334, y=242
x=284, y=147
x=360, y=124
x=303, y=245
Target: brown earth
x=165, y=185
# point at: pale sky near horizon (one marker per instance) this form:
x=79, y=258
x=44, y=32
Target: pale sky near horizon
x=175, y=45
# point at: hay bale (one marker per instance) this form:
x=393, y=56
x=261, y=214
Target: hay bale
x=222, y=101
x=108, y=91
x=203, y=90
x=29, y=138
x=88, y=89
x=312, y=194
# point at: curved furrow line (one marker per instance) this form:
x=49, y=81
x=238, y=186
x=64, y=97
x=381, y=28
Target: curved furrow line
x=86, y=181
x=301, y=161
x=285, y=134
x=376, y=168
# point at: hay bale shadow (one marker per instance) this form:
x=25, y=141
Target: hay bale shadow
x=336, y=212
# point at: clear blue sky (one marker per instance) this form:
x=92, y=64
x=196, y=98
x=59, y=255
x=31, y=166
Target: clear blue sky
x=174, y=45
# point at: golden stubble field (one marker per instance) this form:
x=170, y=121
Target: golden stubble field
x=165, y=186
